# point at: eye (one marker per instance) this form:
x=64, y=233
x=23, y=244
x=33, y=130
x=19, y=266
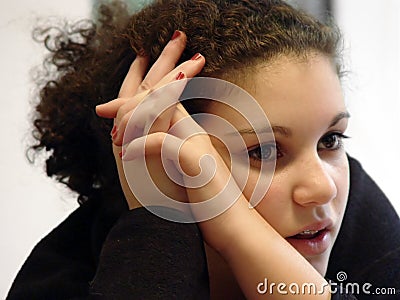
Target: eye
x=265, y=152
x=332, y=141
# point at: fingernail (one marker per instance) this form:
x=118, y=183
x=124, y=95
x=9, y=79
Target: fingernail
x=114, y=129
x=114, y=135
x=180, y=76
x=176, y=34
x=196, y=56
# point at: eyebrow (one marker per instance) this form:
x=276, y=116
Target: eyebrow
x=338, y=117
x=287, y=131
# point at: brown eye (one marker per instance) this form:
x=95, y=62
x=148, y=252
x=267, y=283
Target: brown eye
x=332, y=141
x=265, y=152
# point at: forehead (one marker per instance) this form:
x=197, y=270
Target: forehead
x=290, y=88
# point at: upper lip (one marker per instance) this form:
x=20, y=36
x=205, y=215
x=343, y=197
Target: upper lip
x=316, y=226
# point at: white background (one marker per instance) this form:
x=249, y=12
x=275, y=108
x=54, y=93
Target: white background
x=372, y=34
x=31, y=204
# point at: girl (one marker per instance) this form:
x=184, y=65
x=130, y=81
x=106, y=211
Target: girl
x=317, y=210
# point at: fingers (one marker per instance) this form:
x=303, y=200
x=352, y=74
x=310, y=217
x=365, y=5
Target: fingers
x=128, y=89
x=196, y=167
x=169, y=147
x=165, y=94
x=157, y=111
x=165, y=100
x=166, y=62
x=140, y=117
x=134, y=77
x=109, y=110
x=184, y=126
x=136, y=82
x=152, y=145
x=156, y=115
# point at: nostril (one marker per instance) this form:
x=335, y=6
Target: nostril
x=314, y=191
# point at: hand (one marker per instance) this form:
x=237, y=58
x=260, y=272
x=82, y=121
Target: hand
x=132, y=95
x=136, y=86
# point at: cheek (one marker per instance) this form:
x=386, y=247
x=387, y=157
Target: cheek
x=281, y=212
x=341, y=176
x=276, y=206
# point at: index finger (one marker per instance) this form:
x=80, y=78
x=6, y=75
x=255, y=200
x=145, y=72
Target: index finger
x=166, y=62
x=128, y=89
x=134, y=77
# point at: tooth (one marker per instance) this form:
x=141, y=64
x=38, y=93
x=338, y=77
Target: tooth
x=309, y=232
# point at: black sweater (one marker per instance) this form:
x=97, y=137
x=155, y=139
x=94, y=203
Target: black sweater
x=104, y=251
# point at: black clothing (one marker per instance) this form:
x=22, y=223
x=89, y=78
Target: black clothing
x=104, y=251
x=368, y=244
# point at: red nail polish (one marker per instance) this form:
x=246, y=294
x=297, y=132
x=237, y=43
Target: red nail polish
x=180, y=76
x=176, y=34
x=196, y=56
x=122, y=153
x=115, y=134
x=114, y=129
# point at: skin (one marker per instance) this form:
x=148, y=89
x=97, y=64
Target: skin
x=295, y=201
x=315, y=98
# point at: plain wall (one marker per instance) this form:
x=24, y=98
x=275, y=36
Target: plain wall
x=31, y=204
x=372, y=87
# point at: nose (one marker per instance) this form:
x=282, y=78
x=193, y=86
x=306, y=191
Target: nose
x=314, y=184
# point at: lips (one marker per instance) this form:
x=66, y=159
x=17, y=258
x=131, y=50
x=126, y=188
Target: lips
x=307, y=234
x=312, y=240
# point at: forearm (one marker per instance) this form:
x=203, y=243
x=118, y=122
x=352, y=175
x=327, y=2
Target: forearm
x=252, y=248
x=257, y=254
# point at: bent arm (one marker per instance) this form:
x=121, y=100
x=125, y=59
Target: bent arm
x=146, y=257
x=143, y=257
x=256, y=253
x=252, y=248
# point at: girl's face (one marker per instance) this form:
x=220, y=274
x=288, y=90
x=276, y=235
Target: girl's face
x=308, y=194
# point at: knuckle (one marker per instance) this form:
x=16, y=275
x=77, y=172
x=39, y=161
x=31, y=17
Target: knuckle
x=159, y=137
x=145, y=86
x=122, y=111
x=126, y=108
x=151, y=94
x=124, y=121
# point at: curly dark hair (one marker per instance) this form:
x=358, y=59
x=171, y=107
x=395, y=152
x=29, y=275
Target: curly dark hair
x=90, y=59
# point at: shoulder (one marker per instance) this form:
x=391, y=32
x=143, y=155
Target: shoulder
x=64, y=261
x=368, y=245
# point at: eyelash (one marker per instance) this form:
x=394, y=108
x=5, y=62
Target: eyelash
x=340, y=136
x=255, y=153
